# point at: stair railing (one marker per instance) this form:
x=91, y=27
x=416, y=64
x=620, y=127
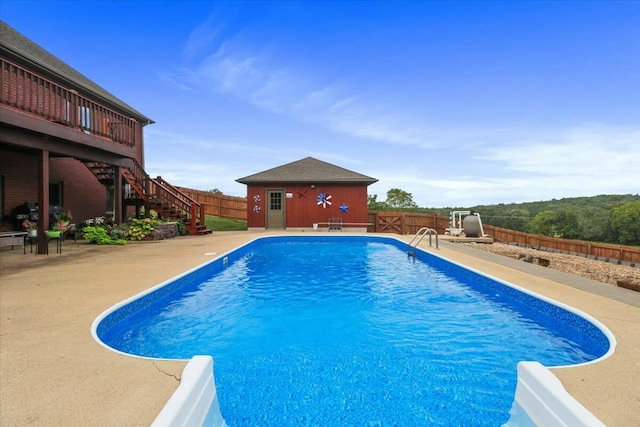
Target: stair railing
x=161, y=191
x=141, y=177
x=195, y=210
x=155, y=190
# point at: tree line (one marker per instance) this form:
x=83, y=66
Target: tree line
x=608, y=218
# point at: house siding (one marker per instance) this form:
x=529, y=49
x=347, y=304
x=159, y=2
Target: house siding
x=302, y=210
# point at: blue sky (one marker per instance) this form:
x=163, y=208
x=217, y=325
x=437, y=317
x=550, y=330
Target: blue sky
x=458, y=103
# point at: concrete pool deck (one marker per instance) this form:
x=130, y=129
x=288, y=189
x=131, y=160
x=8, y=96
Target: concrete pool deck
x=52, y=371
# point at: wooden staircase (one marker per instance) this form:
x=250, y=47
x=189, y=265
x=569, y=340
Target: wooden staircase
x=153, y=193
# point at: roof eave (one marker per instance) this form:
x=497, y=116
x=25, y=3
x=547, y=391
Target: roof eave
x=305, y=181
x=37, y=63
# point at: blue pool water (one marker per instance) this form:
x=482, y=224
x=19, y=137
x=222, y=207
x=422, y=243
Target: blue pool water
x=349, y=331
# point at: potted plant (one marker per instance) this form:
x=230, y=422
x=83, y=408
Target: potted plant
x=31, y=227
x=64, y=217
x=58, y=228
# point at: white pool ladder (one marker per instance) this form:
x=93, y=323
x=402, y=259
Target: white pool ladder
x=411, y=249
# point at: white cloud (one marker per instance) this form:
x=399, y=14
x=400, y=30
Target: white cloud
x=202, y=37
x=590, y=155
x=205, y=175
x=172, y=80
x=440, y=165
x=298, y=92
x=582, y=161
x=205, y=163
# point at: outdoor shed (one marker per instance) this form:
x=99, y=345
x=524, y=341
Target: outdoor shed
x=297, y=195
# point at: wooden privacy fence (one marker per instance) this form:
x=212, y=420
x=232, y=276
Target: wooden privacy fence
x=580, y=247
x=410, y=223
x=405, y=222
x=220, y=205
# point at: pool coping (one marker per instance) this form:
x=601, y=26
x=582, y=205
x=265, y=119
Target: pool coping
x=52, y=372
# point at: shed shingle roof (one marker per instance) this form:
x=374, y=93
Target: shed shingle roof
x=308, y=170
x=16, y=44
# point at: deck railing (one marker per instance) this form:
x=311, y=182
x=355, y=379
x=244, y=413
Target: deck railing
x=34, y=94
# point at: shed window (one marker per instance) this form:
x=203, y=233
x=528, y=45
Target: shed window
x=276, y=201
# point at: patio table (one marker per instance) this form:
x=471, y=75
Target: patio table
x=13, y=238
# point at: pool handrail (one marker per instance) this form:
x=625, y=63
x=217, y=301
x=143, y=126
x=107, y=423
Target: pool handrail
x=419, y=236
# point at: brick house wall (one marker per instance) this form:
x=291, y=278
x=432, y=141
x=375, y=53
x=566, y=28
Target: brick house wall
x=20, y=175
x=82, y=194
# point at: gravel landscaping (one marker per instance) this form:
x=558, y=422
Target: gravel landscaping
x=602, y=271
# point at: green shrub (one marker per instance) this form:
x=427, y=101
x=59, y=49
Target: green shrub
x=100, y=236
x=182, y=229
x=138, y=229
x=117, y=232
x=153, y=214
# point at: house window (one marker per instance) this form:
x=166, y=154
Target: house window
x=67, y=117
x=111, y=205
x=55, y=193
x=110, y=198
x=84, y=115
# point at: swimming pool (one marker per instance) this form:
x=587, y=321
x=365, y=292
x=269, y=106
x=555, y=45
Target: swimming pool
x=350, y=331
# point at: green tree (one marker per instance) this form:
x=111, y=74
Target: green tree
x=544, y=223
x=399, y=199
x=374, y=205
x=513, y=219
x=625, y=223
x=567, y=225
x=561, y=223
x=595, y=224
x=517, y=219
x=588, y=216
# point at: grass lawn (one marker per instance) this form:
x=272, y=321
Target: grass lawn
x=221, y=224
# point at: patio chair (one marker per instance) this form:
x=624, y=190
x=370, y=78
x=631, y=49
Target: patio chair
x=335, y=224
